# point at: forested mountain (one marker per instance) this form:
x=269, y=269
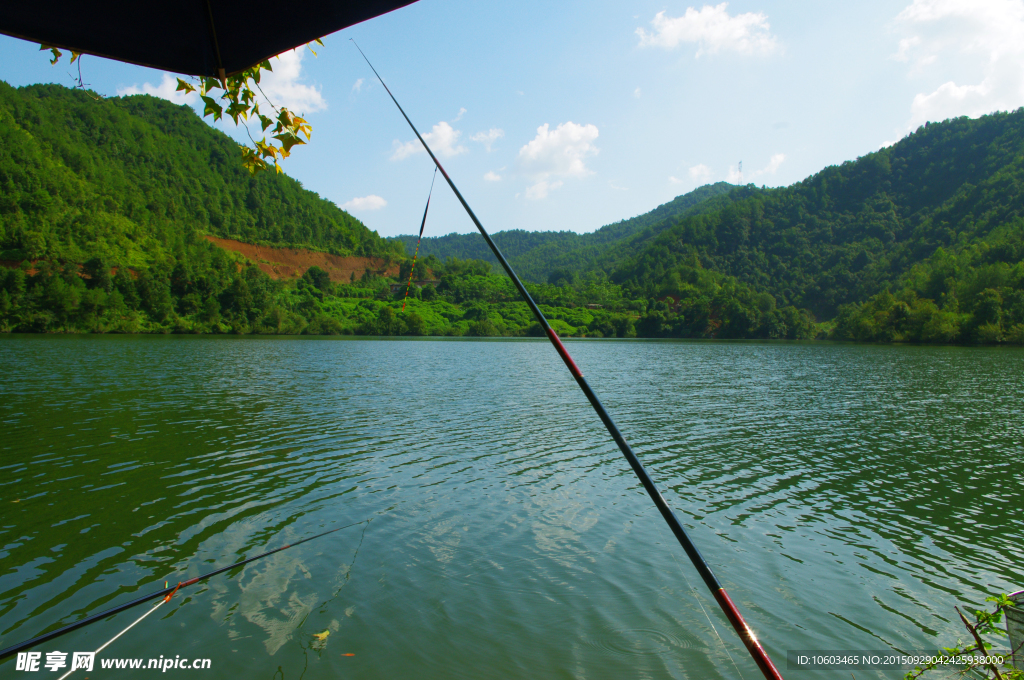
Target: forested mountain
x=543, y=256
x=104, y=204
x=847, y=232
x=133, y=179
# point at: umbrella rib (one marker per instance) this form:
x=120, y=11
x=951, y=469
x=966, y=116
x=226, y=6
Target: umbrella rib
x=216, y=45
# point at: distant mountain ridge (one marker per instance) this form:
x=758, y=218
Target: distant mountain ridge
x=536, y=255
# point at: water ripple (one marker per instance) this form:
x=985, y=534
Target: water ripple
x=847, y=496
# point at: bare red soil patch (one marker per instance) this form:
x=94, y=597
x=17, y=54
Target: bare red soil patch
x=291, y=263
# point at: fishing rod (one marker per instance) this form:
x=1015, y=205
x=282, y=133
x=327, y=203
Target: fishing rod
x=166, y=593
x=422, y=225
x=703, y=568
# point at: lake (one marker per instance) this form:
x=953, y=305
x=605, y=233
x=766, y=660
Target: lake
x=847, y=496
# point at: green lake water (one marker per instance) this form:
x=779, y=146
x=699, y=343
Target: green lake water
x=847, y=496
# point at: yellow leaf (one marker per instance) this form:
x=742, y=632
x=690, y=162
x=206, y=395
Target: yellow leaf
x=288, y=140
x=56, y=53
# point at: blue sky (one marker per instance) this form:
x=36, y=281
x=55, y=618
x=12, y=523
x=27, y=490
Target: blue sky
x=573, y=115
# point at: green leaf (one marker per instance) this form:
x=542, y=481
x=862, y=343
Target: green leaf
x=212, y=108
x=237, y=110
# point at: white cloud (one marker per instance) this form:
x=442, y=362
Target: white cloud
x=674, y=180
x=489, y=137
x=557, y=154
x=986, y=35
x=773, y=165
x=371, y=202
x=457, y=118
x=906, y=45
x=701, y=173
x=540, y=189
x=560, y=152
x=283, y=88
x=492, y=176
x=165, y=90
x=358, y=85
x=281, y=85
x=636, y=93
x=443, y=140
x=713, y=30
x=900, y=134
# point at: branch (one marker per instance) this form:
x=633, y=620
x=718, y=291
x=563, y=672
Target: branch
x=981, y=645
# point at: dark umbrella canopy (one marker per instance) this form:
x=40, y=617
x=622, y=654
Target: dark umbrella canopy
x=194, y=37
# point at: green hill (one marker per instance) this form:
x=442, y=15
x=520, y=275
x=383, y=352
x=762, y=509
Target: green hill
x=937, y=216
x=133, y=179
x=847, y=232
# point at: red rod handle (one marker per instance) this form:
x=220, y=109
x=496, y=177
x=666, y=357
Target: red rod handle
x=747, y=635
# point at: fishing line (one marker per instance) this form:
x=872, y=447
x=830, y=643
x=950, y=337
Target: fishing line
x=166, y=593
x=121, y=633
x=707, y=616
x=744, y=631
x=323, y=605
x=422, y=225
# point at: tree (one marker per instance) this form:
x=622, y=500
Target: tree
x=237, y=299
x=483, y=329
x=415, y=325
x=124, y=283
x=98, y=271
x=155, y=294
x=388, y=323
x=318, y=278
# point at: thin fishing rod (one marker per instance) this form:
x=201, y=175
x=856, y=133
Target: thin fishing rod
x=166, y=592
x=422, y=225
x=703, y=568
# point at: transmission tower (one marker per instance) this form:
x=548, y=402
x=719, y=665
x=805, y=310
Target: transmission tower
x=741, y=172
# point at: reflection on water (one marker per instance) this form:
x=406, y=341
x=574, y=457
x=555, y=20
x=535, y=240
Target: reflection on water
x=847, y=496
